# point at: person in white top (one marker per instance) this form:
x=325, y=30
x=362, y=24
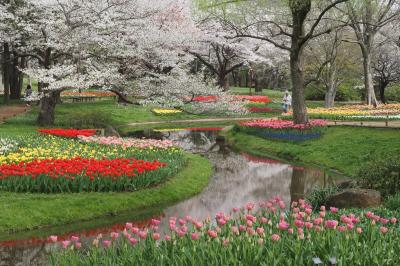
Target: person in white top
x=287, y=101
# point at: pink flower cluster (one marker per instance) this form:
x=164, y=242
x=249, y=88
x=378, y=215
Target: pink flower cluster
x=267, y=221
x=129, y=142
x=283, y=124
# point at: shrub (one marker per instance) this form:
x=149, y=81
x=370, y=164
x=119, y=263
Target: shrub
x=92, y=119
x=393, y=93
x=319, y=196
x=382, y=175
x=393, y=202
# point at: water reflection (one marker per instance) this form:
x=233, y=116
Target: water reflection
x=237, y=179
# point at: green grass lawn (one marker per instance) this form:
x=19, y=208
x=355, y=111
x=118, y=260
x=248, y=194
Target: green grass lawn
x=23, y=211
x=344, y=149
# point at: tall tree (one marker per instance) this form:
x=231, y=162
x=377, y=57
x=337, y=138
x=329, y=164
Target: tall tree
x=290, y=26
x=367, y=17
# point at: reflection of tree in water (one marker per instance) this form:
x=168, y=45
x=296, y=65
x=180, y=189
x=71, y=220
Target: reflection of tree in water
x=235, y=182
x=194, y=141
x=304, y=180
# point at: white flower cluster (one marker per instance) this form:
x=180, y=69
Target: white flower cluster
x=8, y=145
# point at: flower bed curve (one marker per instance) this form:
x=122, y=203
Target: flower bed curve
x=284, y=129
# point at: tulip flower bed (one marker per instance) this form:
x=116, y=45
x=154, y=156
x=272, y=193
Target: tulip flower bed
x=48, y=164
x=267, y=234
x=250, y=98
x=129, y=142
x=355, y=112
x=68, y=133
x=284, y=129
x=255, y=109
x=158, y=111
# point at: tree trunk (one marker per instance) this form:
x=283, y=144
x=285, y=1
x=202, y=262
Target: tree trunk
x=382, y=87
x=6, y=72
x=298, y=96
x=299, y=10
x=368, y=81
x=331, y=88
x=46, y=64
x=223, y=81
x=47, y=108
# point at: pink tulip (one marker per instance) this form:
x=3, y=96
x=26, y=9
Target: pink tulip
x=235, y=209
x=181, y=233
x=249, y=223
x=133, y=241
x=225, y=243
x=78, y=245
x=331, y=224
x=65, y=243
x=359, y=230
x=194, y=236
x=309, y=225
x=318, y=221
x=264, y=220
x=142, y=234
x=135, y=230
x=167, y=238
x=350, y=226
x=249, y=206
x=322, y=214
x=333, y=209
x=74, y=238
x=260, y=241
x=300, y=231
x=296, y=210
x=383, y=230
x=106, y=243
x=53, y=239
x=242, y=228
x=308, y=211
x=318, y=228
x=298, y=223
x=393, y=220
x=260, y=230
x=282, y=205
x=283, y=225
x=342, y=228
x=156, y=236
x=212, y=234
x=221, y=222
x=322, y=208
x=114, y=235
x=275, y=237
x=235, y=230
x=251, y=231
x=128, y=226
x=199, y=225
x=369, y=214
x=181, y=222
x=384, y=221
x=290, y=230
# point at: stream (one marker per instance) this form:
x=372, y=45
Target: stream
x=238, y=178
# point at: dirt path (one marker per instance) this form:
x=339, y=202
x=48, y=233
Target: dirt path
x=12, y=110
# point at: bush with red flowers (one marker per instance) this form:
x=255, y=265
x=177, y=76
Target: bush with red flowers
x=68, y=133
x=284, y=129
x=79, y=174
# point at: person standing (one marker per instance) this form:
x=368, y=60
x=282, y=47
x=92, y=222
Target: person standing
x=28, y=92
x=287, y=101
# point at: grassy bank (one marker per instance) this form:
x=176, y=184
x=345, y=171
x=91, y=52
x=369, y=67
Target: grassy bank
x=345, y=149
x=30, y=211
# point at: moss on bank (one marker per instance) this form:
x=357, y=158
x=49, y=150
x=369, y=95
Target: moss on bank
x=30, y=211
